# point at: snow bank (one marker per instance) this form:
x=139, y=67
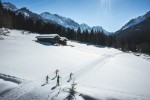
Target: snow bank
x=11, y=79
x=6, y=86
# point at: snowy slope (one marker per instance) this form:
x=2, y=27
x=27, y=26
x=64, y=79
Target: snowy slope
x=100, y=29
x=66, y=22
x=69, y=23
x=27, y=13
x=85, y=27
x=9, y=6
x=136, y=21
x=100, y=73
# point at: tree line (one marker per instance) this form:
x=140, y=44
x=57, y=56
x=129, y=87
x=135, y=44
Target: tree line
x=12, y=20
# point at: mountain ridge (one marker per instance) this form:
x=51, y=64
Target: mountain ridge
x=9, y=6
x=74, y=25
x=136, y=21
x=137, y=36
x=54, y=18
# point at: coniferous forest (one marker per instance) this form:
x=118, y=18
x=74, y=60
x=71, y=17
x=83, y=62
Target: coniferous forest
x=136, y=43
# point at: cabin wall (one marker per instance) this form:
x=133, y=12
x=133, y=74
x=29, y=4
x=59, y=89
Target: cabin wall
x=52, y=40
x=63, y=42
x=44, y=40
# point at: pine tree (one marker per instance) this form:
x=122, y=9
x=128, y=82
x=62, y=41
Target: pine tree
x=79, y=34
x=1, y=6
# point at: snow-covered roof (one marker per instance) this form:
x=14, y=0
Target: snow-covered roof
x=48, y=36
x=63, y=39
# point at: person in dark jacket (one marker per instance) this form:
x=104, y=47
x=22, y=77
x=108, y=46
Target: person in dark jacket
x=47, y=79
x=71, y=75
x=56, y=72
x=58, y=80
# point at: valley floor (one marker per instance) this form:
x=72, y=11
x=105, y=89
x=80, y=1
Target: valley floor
x=101, y=73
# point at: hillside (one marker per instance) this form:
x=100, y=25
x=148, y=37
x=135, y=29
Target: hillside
x=101, y=73
x=140, y=29
x=135, y=35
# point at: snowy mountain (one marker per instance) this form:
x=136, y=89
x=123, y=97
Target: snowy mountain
x=66, y=22
x=27, y=13
x=85, y=27
x=99, y=28
x=136, y=21
x=136, y=30
x=9, y=6
x=53, y=18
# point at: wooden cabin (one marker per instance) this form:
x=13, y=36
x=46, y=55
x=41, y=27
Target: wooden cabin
x=52, y=38
x=63, y=40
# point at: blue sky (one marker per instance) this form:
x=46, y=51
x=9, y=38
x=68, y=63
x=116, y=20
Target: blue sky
x=110, y=14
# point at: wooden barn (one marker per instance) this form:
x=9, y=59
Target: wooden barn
x=63, y=40
x=52, y=38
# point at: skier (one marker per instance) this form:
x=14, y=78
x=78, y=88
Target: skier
x=47, y=79
x=56, y=72
x=58, y=80
x=70, y=78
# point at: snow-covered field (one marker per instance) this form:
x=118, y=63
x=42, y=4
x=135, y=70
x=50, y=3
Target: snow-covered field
x=100, y=73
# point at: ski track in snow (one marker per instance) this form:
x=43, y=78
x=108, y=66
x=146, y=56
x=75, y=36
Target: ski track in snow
x=11, y=78
x=23, y=92
x=96, y=64
x=130, y=96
